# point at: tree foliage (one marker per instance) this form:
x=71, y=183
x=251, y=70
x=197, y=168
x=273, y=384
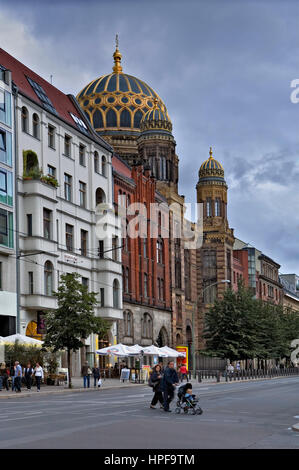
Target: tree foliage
x=243, y=327
x=74, y=320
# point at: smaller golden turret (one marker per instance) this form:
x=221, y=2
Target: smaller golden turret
x=117, y=58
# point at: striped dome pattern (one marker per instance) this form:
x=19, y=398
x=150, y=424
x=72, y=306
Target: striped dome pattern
x=211, y=169
x=117, y=102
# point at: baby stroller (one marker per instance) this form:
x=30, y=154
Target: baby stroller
x=186, y=404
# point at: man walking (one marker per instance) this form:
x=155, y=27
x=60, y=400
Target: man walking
x=169, y=382
x=86, y=373
x=17, y=377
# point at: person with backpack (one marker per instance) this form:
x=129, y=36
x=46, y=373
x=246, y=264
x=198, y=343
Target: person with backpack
x=154, y=381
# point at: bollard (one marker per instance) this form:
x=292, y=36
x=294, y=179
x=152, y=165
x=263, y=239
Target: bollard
x=199, y=376
x=218, y=376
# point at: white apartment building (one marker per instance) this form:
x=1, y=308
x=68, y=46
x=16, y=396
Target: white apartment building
x=8, y=297
x=64, y=171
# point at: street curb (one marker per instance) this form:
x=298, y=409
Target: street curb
x=61, y=392
x=244, y=381
x=295, y=427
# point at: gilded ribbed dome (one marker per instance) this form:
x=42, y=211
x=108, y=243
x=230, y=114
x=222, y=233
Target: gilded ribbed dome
x=156, y=119
x=117, y=102
x=211, y=169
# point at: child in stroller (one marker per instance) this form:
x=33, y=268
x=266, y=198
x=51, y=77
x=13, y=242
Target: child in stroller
x=187, y=400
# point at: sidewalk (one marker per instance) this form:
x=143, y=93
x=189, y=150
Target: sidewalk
x=77, y=386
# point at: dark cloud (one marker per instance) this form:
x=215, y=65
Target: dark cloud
x=224, y=71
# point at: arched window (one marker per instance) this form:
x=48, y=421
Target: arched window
x=128, y=323
x=147, y=326
x=96, y=162
x=100, y=196
x=217, y=207
x=115, y=293
x=160, y=251
x=145, y=285
x=209, y=207
x=35, y=126
x=48, y=278
x=104, y=166
x=25, y=117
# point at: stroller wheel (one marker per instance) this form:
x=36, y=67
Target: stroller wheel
x=193, y=411
x=177, y=411
x=199, y=411
x=186, y=410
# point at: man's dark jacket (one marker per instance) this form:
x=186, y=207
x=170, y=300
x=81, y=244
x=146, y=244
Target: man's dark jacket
x=170, y=377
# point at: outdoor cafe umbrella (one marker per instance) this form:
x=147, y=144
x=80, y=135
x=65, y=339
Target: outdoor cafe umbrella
x=154, y=351
x=120, y=350
x=172, y=352
x=21, y=339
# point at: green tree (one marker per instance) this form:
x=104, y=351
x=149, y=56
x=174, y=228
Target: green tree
x=74, y=319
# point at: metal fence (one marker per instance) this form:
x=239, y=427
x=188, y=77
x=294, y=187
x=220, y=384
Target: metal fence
x=245, y=374
x=210, y=363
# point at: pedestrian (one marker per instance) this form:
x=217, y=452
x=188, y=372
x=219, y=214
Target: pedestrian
x=96, y=374
x=4, y=374
x=169, y=382
x=155, y=382
x=183, y=372
x=238, y=367
x=28, y=371
x=39, y=375
x=17, y=377
x=162, y=367
x=86, y=372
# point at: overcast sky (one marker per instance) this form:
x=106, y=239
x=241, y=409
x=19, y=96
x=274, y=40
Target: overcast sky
x=223, y=69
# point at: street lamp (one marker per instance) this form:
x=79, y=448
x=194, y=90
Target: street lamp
x=224, y=281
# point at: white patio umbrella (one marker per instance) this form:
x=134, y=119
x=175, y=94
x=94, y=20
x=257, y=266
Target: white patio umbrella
x=120, y=350
x=21, y=339
x=172, y=352
x=154, y=351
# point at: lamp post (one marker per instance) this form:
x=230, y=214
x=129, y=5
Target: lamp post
x=224, y=281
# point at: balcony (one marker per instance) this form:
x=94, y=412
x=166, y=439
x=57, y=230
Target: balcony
x=110, y=313
x=38, y=302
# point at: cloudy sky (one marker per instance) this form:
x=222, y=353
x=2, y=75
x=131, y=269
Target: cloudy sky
x=224, y=70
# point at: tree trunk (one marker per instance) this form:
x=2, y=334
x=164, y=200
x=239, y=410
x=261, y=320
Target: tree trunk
x=69, y=367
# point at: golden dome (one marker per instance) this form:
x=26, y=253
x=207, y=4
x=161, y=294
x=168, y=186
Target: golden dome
x=211, y=169
x=117, y=102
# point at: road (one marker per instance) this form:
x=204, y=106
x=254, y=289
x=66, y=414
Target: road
x=249, y=415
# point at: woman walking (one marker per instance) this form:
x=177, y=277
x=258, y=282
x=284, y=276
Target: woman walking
x=39, y=375
x=155, y=380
